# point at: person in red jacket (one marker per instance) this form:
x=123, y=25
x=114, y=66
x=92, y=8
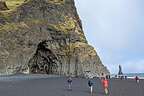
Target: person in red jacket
x=105, y=84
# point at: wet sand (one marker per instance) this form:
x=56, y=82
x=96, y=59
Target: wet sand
x=57, y=86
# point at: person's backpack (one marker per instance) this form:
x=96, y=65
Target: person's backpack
x=69, y=80
x=90, y=83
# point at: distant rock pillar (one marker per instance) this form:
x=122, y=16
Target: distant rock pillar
x=120, y=70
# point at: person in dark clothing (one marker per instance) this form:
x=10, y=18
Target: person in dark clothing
x=137, y=79
x=90, y=84
x=69, y=83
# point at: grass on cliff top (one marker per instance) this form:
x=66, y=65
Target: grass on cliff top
x=9, y=27
x=57, y=1
x=67, y=25
x=12, y=4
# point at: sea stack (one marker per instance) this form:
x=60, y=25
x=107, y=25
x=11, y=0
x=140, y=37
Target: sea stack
x=46, y=36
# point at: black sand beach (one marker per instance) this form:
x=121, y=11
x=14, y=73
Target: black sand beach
x=57, y=86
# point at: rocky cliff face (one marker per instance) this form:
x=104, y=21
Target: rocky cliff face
x=46, y=36
x=3, y=6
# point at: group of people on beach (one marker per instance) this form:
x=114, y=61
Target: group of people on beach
x=104, y=81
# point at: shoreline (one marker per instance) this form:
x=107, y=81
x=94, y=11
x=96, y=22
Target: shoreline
x=52, y=75
x=57, y=86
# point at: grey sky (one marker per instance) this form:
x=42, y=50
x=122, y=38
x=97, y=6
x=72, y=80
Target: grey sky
x=116, y=29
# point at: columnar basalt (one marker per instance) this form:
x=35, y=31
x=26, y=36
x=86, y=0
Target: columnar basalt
x=46, y=36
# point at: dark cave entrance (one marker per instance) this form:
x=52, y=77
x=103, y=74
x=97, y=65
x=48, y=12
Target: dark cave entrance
x=44, y=60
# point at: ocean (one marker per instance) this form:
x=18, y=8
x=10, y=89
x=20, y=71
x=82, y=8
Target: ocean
x=135, y=74
x=132, y=75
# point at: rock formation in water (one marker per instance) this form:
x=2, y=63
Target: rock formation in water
x=46, y=36
x=120, y=70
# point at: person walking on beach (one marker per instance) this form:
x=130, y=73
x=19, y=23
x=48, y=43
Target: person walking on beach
x=105, y=84
x=69, y=83
x=137, y=79
x=90, y=84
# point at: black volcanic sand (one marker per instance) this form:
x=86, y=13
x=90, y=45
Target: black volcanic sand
x=57, y=86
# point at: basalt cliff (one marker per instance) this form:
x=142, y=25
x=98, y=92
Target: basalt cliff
x=45, y=36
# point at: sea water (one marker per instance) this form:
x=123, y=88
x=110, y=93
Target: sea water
x=132, y=75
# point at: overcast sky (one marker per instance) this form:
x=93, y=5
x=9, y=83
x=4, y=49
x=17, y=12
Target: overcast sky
x=116, y=29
